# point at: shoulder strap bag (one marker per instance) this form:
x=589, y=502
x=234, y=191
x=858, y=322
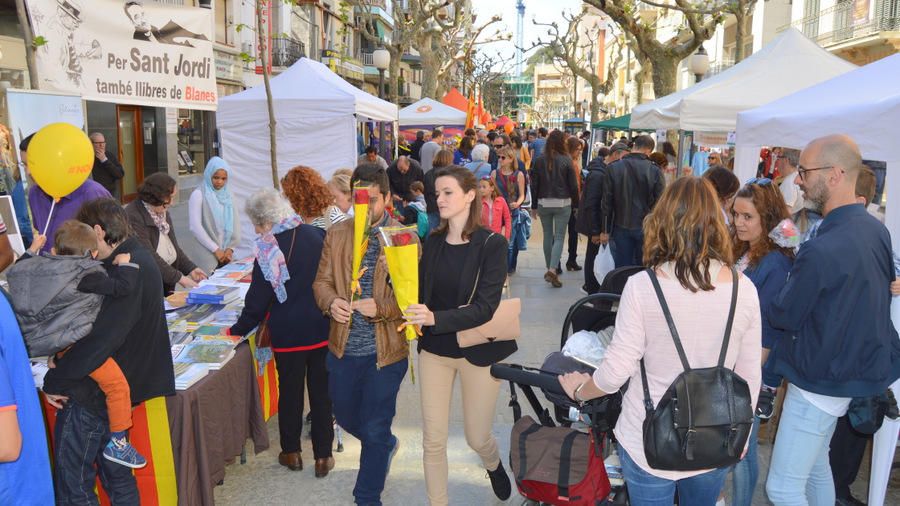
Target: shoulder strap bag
x=263, y=335
x=704, y=418
x=503, y=326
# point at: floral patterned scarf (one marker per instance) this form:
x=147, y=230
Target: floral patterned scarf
x=271, y=258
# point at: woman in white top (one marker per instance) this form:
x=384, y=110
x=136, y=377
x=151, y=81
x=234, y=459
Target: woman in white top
x=211, y=213
x=688, y=245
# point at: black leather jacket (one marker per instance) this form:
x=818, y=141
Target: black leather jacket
x=559, y=182
x=588, y=220
x=631, y=188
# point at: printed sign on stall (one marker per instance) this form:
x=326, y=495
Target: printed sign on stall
x=128, y=52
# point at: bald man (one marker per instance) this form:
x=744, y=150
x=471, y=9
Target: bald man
x=836, y=309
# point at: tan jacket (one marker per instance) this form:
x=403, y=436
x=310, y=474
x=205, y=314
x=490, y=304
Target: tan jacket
x=333, y=281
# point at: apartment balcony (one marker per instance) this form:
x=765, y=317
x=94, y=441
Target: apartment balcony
x=718, y=67
x=850, y=24
x=286, y=51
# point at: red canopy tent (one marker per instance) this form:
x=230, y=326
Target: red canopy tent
x=455, y=99
x=503, y=120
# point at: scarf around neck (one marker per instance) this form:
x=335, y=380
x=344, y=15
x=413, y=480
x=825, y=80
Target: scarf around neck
x=159, y=219
x=219, y=204
x=271, y=259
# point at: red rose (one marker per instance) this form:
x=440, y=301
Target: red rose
x=402, y=239
x=361, y=196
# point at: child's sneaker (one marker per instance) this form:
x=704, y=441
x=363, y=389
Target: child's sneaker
x=766, y=403
x=120, y=451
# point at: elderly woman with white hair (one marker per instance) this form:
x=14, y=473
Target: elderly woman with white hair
x=479, y=164
x=287, y=258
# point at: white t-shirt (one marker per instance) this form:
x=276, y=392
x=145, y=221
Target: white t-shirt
x=791, y=193
x=834, y=406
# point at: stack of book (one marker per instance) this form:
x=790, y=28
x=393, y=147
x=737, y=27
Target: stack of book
x=186, y=375
x=212, y=353
x=211, y=294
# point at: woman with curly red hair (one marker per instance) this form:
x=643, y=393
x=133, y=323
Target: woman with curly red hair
x=310, y=197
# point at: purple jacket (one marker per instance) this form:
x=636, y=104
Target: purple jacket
x=66, y=209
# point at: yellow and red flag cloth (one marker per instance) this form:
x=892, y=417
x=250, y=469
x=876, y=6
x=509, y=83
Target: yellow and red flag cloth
x=267, y=379
x=150, y=435
x=471, y=113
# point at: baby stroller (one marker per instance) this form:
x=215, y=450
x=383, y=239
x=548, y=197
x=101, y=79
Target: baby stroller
x=594, y=312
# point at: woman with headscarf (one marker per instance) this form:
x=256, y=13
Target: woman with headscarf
x=211, y=213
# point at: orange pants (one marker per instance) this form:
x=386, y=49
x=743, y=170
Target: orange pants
x=118, y=395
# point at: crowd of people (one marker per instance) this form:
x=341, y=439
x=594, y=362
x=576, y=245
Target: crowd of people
x=817, y=317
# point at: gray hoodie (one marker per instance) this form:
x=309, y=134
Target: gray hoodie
x=52, y=312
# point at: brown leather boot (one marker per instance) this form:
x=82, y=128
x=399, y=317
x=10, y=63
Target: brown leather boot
x=323, y=466
x=291, y=460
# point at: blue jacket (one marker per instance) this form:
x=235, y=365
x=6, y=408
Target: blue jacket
x=297, y=323
x=836, y=308
x=769, y=277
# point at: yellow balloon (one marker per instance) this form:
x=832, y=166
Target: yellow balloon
x=60, y=158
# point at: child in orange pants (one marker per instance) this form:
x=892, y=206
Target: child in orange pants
x=57, y=298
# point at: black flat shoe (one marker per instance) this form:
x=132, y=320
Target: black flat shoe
x=573, y=266
x=500, y=482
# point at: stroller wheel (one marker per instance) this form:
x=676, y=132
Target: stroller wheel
x=529, y=502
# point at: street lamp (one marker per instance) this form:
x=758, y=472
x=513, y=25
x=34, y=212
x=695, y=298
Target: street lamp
x=584, y=107
x=381, y=58
x=699, y=63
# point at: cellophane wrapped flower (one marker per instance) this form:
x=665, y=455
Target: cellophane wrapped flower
x=401, y=250
x=361, y=226
x=786, y=234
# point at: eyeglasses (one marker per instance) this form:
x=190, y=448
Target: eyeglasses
x=801, y=170
x=759, y=181
x=499, y=145
x=98, y=142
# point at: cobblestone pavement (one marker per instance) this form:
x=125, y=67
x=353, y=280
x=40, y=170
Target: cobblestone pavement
x=544, y=308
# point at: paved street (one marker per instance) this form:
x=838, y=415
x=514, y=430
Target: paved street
x=544, y=309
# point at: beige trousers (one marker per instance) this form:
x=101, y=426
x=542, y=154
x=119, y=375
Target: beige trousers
x=479, y=403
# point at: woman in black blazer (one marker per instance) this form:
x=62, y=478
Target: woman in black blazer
x=459, y=254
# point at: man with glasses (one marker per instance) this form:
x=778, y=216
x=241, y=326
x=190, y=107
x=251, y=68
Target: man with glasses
x=497, y=143
x=836, y=307
x=67, y=207
x=107, y=170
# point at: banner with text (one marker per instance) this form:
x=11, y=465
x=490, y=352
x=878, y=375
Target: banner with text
x=126, y=52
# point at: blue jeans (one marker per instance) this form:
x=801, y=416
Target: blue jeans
x=554, y=221
x=800, y=472
x=81, y=437
x=512, y=256
x=629, y=248
x=746, y=472
x=644, y=489
x=434, y=219
x=364, y=400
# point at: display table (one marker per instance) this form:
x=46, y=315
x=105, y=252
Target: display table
x=188, y=438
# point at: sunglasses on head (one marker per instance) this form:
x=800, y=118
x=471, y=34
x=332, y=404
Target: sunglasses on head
x=759, y=181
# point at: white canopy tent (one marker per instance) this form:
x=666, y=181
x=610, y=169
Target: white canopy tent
x=429, y=112
x=864, y=104
x=316, y=114
x=787, y=64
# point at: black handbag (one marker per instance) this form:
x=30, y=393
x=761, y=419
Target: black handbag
x=704, y=418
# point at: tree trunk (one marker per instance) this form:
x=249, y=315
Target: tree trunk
x=741, y=20
x=29, y=44
x=394, y=79
x=665, y=71
x=262, y=49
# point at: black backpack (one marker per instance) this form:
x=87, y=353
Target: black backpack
x=704, y=418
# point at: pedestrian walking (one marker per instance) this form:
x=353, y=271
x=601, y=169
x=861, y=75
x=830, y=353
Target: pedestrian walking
x=367, y=357
x=632, y=187
x=510, y=181
x=494, y=209
x=575, y=147
x=689, y=252
x=837, y=309
x=462, y=272
x=757, y=210
x=553, y=188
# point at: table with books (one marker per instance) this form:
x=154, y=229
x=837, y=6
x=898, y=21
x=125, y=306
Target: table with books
x=222, y=398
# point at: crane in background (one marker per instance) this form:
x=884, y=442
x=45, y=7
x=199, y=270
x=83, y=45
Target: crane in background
x=520, y=35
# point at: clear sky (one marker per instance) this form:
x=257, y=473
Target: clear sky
x=545, y=11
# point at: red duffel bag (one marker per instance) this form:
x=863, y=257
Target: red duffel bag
x=557, y=465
